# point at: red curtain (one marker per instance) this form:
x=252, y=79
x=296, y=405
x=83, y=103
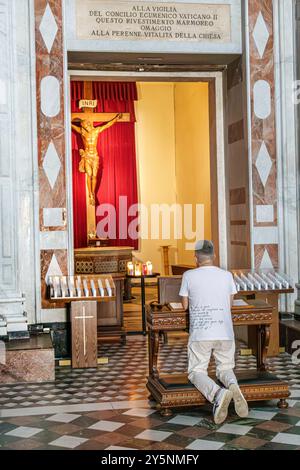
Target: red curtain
x=79, y=183
x=117, y=176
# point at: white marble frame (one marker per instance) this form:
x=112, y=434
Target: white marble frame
x=20, y=77
x=163, y=76
x=287, y=139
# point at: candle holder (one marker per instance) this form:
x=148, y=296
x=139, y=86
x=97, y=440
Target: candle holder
x=130, y=268
x=149, y=268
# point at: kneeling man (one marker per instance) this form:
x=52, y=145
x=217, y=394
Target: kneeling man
x=208, y=293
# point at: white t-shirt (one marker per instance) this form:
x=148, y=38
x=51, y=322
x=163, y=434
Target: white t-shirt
x=209, y=289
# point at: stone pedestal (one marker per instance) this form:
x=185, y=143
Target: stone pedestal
x=29, y=360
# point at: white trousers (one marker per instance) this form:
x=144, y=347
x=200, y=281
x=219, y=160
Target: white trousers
x=199, y=354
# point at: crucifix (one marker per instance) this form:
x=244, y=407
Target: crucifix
x=89, y=163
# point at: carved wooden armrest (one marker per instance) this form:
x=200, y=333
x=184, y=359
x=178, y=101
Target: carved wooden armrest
x=156, y=305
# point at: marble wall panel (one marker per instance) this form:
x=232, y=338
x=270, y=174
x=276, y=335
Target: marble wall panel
x=263, y=133
x=53, y=262
x=50, y=56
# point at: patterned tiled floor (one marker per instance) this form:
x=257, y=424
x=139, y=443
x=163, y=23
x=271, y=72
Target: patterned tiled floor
x=107, y=408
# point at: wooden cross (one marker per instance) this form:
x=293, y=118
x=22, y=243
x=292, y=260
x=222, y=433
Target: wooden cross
x=90, y=115
x=84, y=333
x=84, y=317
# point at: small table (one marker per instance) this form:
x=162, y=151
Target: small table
x=142, y=277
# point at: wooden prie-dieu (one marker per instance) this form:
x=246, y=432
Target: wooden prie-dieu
x=95, y=308
x=175, y=390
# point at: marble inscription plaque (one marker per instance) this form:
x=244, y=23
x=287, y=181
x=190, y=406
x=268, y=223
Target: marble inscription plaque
x=138, y=20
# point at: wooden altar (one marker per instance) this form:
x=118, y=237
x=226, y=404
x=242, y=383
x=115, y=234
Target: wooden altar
x=102, y=260
x=175, y=391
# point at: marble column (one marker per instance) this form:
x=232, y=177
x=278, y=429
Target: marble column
x=50, y=56
x=17, y=155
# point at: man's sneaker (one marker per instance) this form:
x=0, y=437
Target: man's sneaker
x=221, y=405
x=240, y=404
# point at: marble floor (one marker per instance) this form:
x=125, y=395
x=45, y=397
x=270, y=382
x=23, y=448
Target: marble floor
x=108, y=408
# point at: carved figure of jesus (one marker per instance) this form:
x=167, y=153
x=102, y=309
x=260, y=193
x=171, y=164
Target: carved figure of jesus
x=89, y=162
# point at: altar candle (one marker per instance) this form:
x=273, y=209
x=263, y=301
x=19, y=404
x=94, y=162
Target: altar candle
x=149, y=268
x=94, y=292
x=63, y=283
x=78, y=287
x=145, y=269
x=50, y=283
x=56, y=287
x=100, y=285
x=71, y=286
x=137, y=270
x=130, y=269
x=108, y=287
x=85, y=288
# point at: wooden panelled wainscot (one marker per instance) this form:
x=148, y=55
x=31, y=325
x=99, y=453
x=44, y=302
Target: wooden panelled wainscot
x=175, y=391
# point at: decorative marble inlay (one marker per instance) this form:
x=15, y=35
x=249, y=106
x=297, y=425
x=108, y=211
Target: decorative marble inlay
x=48, y=28
x=53, y=262
x=262, y=99
x=263, y=163
x=50, y=57
x=261, y=35
x=264, y=214
x=84, y=267
x=54, y=268
x=265, y=235
x=50, y=96
x=53, y=217
x=266, y=262
x=56, y=240
x=51, y=164
x=261, y=68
